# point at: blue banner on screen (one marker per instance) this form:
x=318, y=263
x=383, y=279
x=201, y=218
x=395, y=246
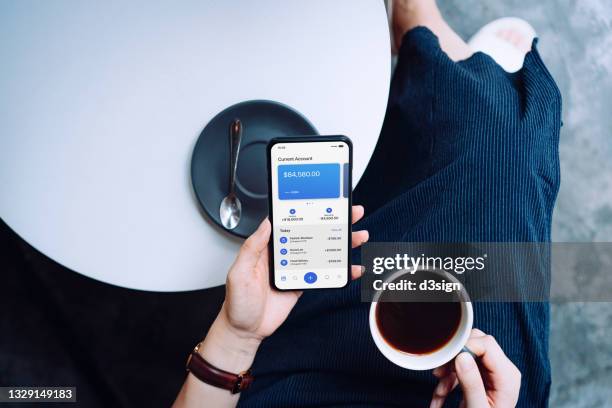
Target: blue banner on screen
x=308, y=181
x=345, y=178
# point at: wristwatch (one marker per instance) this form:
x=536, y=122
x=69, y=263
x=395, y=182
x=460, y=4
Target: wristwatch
x=206, y=372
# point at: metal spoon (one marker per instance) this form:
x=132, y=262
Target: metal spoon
x=231, y=209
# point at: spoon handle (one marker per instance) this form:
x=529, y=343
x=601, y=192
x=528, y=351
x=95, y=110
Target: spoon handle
x=235, y=139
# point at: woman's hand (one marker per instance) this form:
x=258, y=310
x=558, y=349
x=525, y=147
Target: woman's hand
x=252, y=308
x=493, y=382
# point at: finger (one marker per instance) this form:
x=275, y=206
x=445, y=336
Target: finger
x=477, y=333
x=253, y=246
x=444, y=387
x=357, y=213
x=504, y=376
x=444, y=370
x=439, y=372
x=489, y=352
x=359, y=238
x=357, y=271
x=474, y=393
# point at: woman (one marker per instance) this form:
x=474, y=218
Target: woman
x=253, y=311
x=468, y=153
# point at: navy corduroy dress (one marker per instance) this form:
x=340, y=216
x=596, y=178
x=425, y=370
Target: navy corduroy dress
x=467, y=153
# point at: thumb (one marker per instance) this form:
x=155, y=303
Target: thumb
x=254, y=245
x=474, y=393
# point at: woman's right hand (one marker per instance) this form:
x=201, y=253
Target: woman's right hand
x=492, y=382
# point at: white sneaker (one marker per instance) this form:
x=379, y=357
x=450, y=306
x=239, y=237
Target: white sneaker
x=505, y=51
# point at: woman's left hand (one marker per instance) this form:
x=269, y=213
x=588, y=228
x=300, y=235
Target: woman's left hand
x=252, y=310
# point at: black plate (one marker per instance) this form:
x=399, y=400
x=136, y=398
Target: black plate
x=261, y=121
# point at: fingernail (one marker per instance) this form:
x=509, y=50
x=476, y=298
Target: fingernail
x=362, y=269
x=465, y=361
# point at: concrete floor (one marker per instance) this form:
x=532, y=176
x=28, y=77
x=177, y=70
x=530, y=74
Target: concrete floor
x=576, y=44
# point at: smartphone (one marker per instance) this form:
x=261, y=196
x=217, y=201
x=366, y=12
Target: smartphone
x=309, y=191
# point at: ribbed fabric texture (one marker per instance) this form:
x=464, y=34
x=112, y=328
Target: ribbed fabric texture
x=468, y=153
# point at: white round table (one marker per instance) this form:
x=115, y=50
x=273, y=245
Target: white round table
x=101, y=104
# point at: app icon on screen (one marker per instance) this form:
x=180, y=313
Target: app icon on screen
x=310, y=277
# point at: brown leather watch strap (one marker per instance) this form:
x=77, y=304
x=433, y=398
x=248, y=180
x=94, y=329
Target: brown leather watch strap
x=206, y=372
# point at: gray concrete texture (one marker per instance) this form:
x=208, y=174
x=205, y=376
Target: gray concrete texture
x=576, y=44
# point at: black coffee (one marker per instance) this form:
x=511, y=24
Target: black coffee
x=418, y=327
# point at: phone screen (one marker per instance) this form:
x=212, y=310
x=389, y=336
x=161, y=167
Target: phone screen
x=310, y=197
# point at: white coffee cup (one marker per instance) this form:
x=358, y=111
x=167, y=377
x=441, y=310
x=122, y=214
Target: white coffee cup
x=438, y=357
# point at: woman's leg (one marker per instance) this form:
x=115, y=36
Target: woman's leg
x=467, y=153
x=402, y=155
x=408, y=14
x=478, y=162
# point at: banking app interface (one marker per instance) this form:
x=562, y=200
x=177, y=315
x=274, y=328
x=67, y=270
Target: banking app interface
x=310, y=209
